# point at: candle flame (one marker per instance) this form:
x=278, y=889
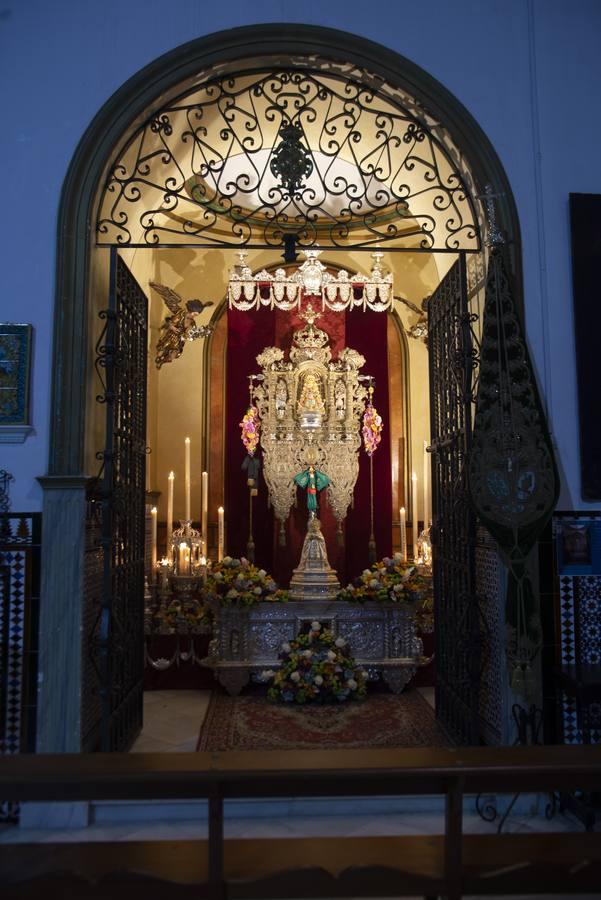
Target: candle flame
x=188, y=440
x=413, y=477
x=402, y=509
x=220, y=510
x=171, y=476
x=153, y=511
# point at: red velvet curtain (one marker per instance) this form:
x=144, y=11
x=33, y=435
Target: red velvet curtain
x=248, y=334
x=367, y=333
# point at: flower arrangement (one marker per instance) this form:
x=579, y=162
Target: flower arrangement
x=177, y=618
x=239, y=581
x=393, y=581
x=316, y=668
x=372, y=428
x=251, y=428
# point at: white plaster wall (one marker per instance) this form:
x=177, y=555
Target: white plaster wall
x=59, y=62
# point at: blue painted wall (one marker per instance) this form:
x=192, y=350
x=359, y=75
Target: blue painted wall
x=528, y=70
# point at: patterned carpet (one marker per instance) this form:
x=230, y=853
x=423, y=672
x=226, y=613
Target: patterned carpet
x=251, y=722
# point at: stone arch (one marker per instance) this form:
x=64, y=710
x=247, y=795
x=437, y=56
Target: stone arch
x=122, y=112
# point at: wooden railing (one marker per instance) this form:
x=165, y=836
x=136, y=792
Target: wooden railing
x=449, y=865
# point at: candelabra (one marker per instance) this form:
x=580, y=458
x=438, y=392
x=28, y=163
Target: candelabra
x=188, y=565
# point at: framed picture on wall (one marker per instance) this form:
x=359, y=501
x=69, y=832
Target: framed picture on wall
x=576, y=545
x=579, y=546
x=15, y=368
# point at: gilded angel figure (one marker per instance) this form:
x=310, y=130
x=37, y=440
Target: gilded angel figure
x=180, y=326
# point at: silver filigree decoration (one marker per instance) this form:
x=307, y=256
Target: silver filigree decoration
x=328, y=437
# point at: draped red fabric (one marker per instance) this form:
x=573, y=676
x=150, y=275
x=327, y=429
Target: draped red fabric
x=366, y=332
x=248, y=335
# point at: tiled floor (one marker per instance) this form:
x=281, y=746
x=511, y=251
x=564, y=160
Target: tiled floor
x=172, y=721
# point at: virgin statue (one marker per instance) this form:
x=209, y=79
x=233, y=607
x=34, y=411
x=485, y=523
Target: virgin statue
x=310, y=399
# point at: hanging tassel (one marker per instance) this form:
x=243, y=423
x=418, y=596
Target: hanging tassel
x=529, y=683
x=372, y=553
x=517, y=680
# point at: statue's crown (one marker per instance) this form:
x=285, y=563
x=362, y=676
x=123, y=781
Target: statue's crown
x=310, y=337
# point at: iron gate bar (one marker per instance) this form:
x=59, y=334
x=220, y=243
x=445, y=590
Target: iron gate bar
x=367, y=248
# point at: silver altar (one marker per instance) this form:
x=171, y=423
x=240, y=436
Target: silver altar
x=247, y=640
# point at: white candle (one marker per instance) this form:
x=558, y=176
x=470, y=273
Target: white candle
x=205, y=512
x=153, y=563
x=426, y=485
x=187, y=479
x=169, y=515
x=221, y=534
x=183, y=562
x=403, y=534
x=414, y=514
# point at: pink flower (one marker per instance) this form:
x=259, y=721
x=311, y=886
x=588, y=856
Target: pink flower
x=251, y=427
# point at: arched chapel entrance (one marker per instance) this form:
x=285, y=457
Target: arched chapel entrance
x=273, y=139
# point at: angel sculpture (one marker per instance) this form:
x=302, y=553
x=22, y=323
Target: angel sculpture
x=179, y=327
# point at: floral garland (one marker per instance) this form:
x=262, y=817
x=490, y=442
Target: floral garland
x=251, y=428
x=316, y=668
x=392, y=581
x=177, y=619
x=239, y=581
x=372, y=429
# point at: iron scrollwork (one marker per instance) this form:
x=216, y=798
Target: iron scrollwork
x=260, y=158
x=291, y=161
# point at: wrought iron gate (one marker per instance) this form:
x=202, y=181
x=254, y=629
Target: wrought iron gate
x=453, y=360
x=117, y=636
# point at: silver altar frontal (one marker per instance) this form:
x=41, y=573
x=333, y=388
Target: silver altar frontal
x=247, y=640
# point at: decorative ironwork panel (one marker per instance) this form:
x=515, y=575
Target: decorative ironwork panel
x=316, y=157
x=513, y=479
x=453, y=361
x=20, y=535
x=118, y=638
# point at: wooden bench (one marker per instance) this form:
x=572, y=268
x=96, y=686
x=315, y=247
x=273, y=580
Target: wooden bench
x=447, y=865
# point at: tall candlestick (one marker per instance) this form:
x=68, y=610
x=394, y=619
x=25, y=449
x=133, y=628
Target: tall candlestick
x=403, y=534
x=187, y=479
x=168, y=551
x=153, y=558
x=414, y=514
x=220, y=534
x=205, y=513
x=426, y=485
